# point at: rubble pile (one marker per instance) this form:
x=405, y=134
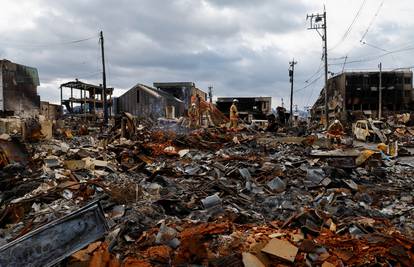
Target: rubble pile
x=169, y=196
x=402, y=127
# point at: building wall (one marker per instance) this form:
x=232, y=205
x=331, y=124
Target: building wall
x=139, y=102
x=19, y=89
x=128, y=103
x=50, y=111
x=246, y=106
x=198, y=92
x=363, y=93
x=183, y=91
x=357, y=92
x=1, y=89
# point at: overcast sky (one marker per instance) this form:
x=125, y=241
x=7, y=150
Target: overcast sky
x=240, y=47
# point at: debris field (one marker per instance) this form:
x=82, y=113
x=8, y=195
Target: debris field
x=164, y=195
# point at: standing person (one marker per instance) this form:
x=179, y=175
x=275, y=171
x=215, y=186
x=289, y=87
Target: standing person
x=234, y=115
x=335, y=131
x=193, y=99
x=199, y=112
x=194, y=116
x=205, y=114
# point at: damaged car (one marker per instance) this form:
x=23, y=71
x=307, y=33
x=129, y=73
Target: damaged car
x=370, y=130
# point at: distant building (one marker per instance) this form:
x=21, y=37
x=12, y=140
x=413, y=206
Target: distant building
x=249, y=108
x=356, y=94
x=18, y=89
x=85, y=98
x=182, y=90
x=145, y=101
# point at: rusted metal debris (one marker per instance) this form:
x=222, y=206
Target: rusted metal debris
x=212, y=197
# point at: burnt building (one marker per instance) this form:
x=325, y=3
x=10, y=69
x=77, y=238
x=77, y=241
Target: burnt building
x=352, y=95
x=145, y=101
x=249, y=108
x=18, y=89
x=50, y=111
x=85, y=98
x=182, y=90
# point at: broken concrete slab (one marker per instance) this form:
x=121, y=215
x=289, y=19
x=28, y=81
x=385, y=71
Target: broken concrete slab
x=99, y=163
x=245, y=173
x=250, y=260
x=335, y=153
x=5, y=137
x=74, y=165
x=328, y=264
x=211, y=201
x=277, y=185
x=315, y=175
x=11, y=125
x=46, y=129
x=52, y=162
x=281, y=249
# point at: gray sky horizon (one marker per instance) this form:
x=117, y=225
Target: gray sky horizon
x=241, y=48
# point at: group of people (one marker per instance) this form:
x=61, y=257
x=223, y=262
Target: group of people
x=200, y=108
x=200, y=112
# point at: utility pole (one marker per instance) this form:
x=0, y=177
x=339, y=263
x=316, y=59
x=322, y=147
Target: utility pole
x=210, y=93
x=380, y=92
x=318, y=22
x=283, y=104
x=105, y=104
x=291, y=74
x=307, y=108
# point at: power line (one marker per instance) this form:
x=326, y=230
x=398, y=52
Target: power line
x=338, y=58
x=310, y=97
x=320, y=68
x=372, y=21
x=306, y=86
x=346, y=57
x=343, y=67
x=374, y=46
x=348, y=31
x=49, y=44
x=405, y=48
x=367, y=59
x=379, y=48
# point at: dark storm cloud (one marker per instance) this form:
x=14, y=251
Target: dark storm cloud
x=208, y=42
